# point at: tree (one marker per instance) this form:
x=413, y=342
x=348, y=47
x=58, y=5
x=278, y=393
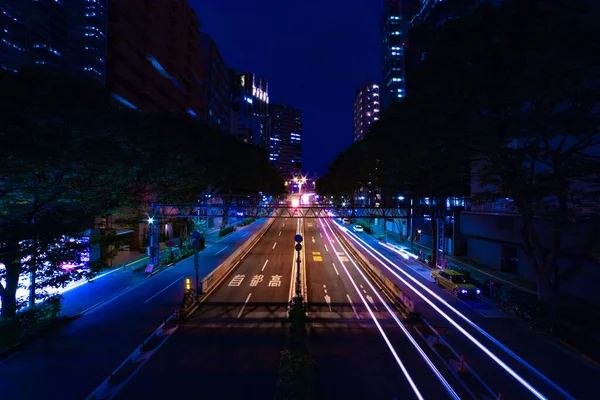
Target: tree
x=53, y=125
x=549, y=167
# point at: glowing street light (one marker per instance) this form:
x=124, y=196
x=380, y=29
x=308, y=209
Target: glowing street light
x=150, y=220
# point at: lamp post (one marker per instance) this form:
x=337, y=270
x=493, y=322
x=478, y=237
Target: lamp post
x=196, y=243
x=419, y=232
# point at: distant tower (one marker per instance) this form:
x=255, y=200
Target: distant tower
x=366, y=109
x=394, y=38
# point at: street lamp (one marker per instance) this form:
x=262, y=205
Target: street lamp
x=419, y=232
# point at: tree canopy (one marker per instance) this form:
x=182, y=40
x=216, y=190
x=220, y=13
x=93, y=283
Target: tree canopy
x=71, y=155
x=513, y=88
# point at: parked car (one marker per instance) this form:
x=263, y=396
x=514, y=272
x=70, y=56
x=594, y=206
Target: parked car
x=358, y=229
x=455, y=281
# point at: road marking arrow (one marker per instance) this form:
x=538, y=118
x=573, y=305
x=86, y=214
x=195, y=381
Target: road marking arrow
x=371, y=301
x=328, y=300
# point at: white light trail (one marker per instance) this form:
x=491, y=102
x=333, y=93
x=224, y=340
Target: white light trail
x=487, y=351
x=433, y=368
x=383, y=335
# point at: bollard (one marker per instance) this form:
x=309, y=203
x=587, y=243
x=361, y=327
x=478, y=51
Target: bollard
x=461, y=366
x=143, y=347
x=111, y=380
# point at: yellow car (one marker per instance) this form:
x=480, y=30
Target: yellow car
x=454, y=281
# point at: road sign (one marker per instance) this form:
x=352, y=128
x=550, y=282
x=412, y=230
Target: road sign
x=196, y=235
x=298, y=238
x=298, y=247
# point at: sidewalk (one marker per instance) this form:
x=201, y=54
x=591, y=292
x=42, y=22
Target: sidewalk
x=576, y=329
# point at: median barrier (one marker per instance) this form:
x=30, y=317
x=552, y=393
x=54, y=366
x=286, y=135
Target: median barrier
x=219, y=273
x=402, y=297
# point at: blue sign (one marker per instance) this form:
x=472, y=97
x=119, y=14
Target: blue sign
x=298, y=238
x=196, y=235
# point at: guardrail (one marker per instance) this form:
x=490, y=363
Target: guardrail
x=219, y=273
x=404, y=299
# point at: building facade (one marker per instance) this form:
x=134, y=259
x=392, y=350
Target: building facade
x=394, y=39
x=217, y=90
x=250, y=108
x=366, y=109
x=66, y=35
x=154, y=56
x=285, y=141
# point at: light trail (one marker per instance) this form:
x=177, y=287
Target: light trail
x=487, y=351
x=383, y=335
x=433, y=368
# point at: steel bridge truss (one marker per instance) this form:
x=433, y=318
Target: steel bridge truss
x=160, y=212
x=284, y=211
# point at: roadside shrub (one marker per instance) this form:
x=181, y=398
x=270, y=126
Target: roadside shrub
x=247, y=221
x=29, y=322
x=226, y=230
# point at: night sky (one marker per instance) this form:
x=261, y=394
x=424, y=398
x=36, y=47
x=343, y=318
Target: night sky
x=314, y=54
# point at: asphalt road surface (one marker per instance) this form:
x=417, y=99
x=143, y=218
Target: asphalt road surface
x=503, y=353
x=70, y=363
x=230, y=347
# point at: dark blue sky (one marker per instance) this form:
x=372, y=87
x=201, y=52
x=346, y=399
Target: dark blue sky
x=314, y=54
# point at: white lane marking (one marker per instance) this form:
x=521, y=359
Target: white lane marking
x=320, y=234
x=325, y=291
x=263, y=268
x=279, y=233
x=245, y=234
x=324, y=286
x=171, y=284
x=326, y=248
x=336, y=271
x=274, y=244
x=352, y=304
x=313, y=239
x=328, y=300
x=371, y=300
x=84, y=281
x=220, y=251
x=244, y=306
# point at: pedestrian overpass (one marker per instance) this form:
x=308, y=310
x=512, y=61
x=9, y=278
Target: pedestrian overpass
x=245, y=207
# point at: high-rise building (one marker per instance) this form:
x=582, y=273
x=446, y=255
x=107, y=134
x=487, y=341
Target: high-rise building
x=285, y=142
x=250, y=108
x=91, y=26
x=69, y=35
x=394, y=38
x=366, y=109
x=154, y=56
x=217, y=89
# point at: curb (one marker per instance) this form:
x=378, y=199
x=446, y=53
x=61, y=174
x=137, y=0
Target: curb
x=4, y=354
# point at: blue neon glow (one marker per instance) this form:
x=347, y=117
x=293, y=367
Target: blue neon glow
x=192, y=113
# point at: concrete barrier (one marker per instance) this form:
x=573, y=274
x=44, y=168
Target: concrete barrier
x=219, y=273
x=391, y=286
